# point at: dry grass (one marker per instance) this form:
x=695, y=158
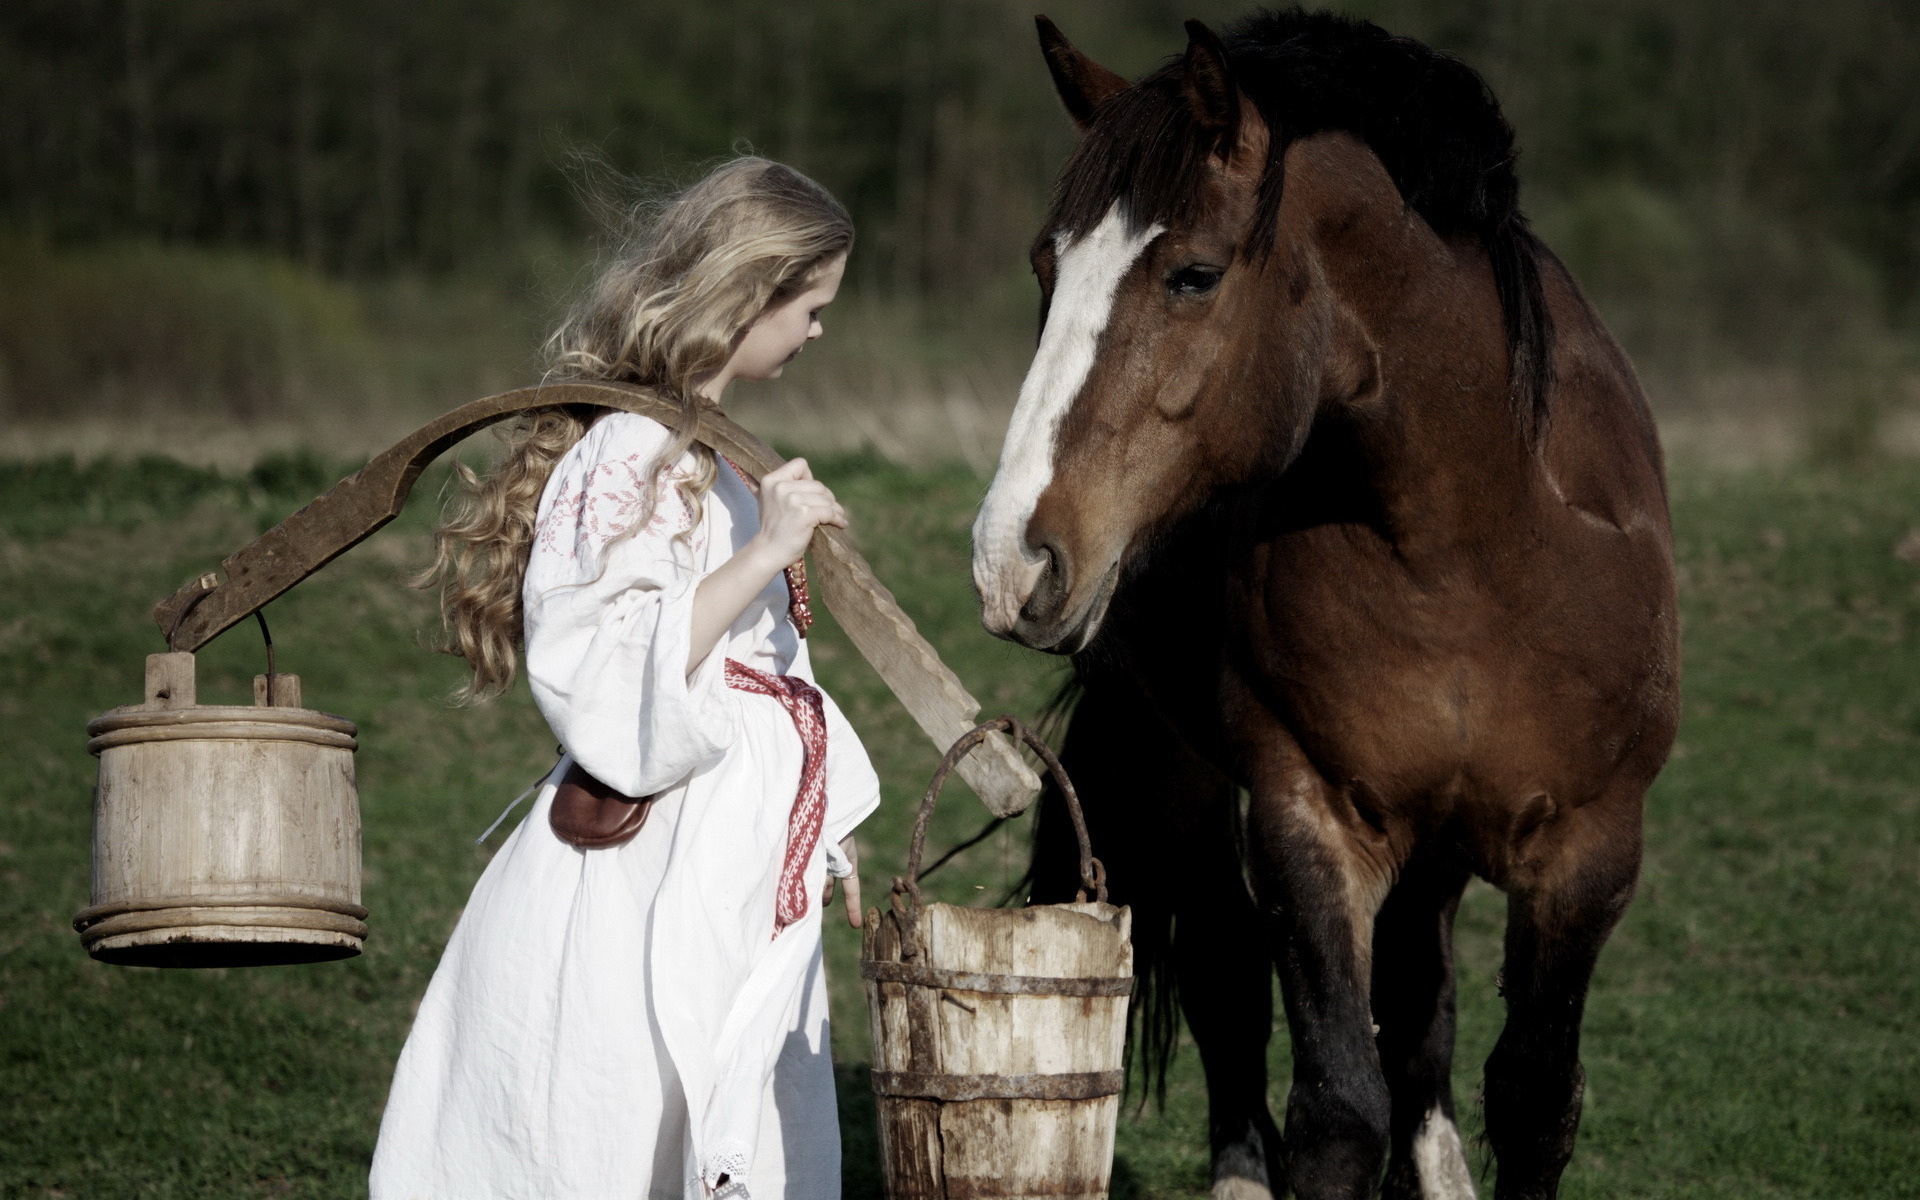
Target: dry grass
x=918, y=418
x=220, y=359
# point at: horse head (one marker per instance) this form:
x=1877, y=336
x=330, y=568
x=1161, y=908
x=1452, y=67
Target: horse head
x=1197, y=320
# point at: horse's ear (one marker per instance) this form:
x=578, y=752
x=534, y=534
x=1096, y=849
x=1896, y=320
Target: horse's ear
x=1218, y=105
x=1081, y=82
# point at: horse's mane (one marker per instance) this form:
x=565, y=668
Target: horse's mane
x=1430, y=118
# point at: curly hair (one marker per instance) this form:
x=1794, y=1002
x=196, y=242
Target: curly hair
x=667, y=311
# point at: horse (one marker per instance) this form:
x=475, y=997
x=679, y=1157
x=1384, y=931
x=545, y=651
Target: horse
x=1352, y=517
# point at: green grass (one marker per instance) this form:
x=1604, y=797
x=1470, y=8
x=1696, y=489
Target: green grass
x=1752, y=1031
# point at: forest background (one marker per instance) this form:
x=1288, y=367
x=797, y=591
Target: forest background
x=229, y=227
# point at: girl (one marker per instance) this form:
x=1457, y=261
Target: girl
x=650, y=1020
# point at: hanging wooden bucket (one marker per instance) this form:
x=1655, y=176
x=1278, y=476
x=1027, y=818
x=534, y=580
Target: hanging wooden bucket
x=998, y=1033
x=223, y=835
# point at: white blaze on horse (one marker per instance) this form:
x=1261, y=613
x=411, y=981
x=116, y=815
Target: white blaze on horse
x=1088, y=271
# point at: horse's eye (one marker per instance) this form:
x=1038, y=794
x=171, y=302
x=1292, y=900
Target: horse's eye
x=1195, y=280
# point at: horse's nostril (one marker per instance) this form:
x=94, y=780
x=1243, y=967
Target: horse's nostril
x=1051, y=587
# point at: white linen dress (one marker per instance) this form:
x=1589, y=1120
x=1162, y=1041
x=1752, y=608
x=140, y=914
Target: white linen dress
x=623, y=1023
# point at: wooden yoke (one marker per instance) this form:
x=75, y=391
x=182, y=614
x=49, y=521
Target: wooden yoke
x=369, y=498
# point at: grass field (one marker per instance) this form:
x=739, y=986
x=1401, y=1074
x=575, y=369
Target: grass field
x=1752, y=1032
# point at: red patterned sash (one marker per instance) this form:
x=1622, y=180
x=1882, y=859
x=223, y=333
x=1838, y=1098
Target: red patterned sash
x=803, y=703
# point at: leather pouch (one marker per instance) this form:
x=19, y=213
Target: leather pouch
x=589, y=814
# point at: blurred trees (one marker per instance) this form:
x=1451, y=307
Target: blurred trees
x=1740, y=174
x=362, y=136
x=1736, y=173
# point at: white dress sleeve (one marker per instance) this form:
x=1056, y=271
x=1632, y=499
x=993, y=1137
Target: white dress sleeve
x=853, y=788
x=609, y=614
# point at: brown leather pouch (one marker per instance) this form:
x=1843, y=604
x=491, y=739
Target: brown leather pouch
x=589, y=814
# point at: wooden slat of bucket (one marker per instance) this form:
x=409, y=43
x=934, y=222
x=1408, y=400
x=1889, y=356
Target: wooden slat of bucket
x=1028, y=1149
x=1006, y=1144
x=220, y=817
x=223, y=835
x=1071, y=940
x=910, y=1149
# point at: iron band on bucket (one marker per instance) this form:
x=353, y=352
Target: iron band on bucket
x=922, y=1085
x=1008, y=985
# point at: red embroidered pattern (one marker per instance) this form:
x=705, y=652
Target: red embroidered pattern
x=608, y=501
x=799, y=602
x=803, y=703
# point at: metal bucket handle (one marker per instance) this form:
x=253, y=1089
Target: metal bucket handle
x=1093, y=875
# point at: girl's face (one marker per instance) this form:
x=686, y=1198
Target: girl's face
x=783, y=330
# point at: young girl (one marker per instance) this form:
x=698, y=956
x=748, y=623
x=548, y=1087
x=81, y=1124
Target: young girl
x=650, y=1020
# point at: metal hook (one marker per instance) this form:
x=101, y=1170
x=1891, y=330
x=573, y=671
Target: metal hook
x=261, y=616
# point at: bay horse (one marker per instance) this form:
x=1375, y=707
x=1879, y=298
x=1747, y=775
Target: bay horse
x=1351, y=514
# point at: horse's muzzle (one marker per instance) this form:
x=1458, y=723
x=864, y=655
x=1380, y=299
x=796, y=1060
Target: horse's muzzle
x=1051, y=620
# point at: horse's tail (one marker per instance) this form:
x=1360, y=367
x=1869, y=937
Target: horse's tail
x=1102, y=739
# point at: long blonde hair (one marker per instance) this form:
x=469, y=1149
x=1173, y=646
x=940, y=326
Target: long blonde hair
x=666, y=312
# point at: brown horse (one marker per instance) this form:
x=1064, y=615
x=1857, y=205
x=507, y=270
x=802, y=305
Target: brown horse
x=1351, y=512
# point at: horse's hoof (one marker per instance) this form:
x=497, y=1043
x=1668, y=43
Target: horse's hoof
x=1239, y=1187
x=1440, y=1159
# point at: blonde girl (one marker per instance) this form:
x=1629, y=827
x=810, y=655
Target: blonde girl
x=649, y=1020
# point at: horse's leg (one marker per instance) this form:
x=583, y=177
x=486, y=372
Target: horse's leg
x=1579, y=874
x=1226, y=994
x=1320, y=872
x=1413, y=986
x=1162, y=823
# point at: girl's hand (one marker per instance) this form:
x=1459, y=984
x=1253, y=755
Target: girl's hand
x=792, y=504
x=851, y=884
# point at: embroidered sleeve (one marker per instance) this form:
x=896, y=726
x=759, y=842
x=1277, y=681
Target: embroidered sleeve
x=608, y=602
x=609, y=499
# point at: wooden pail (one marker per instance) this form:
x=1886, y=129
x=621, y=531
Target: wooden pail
x=223, y=835
x=998, y=1034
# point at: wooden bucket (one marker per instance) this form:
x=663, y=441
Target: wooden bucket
x=223, y=835
x=998, y=1034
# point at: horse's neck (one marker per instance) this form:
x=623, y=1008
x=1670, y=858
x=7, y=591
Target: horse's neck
x=1445, y=465
x=1439, y=446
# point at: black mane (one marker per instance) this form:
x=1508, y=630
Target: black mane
x=1430, y=118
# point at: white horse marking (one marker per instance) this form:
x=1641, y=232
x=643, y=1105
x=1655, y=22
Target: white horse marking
x=1440, y=1161
x=1090, y=268
x=1236, y=1187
